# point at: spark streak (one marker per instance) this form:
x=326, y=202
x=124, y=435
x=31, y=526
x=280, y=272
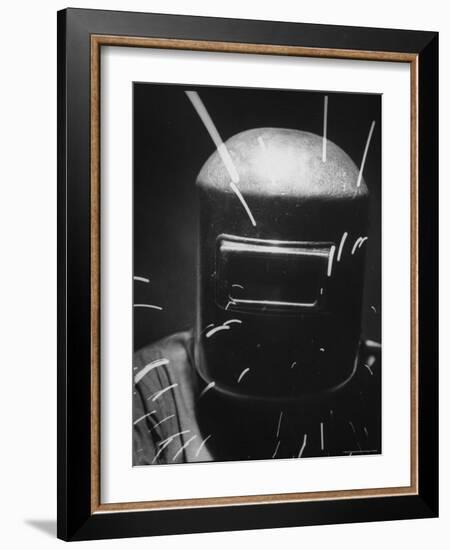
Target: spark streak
x=368, y=368
x=373, y=344
x=330, y=260
x=363, y=162
x=303, y=446
x=362, y=241
x=207, y=388
x=279, y=423
x=153, y=365
x=161, y=421
x=173, y=436
x=321, y=437
x=142, y=417
x=202, y=444
x=161, y=449
x=243, y=373
x=370, y=361
x=207, y=327
x=358, y=243
x=243, y=202
x=181, y=449
x=142, y=279
x=214, y=134
x=238, y=321
x=276, y=449
x=159, y=393
x=324, y=139
x=150, y=306
x=216, y=329
x=341, y=246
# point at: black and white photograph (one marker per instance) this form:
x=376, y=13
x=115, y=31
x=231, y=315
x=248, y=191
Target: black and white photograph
x=256, y=274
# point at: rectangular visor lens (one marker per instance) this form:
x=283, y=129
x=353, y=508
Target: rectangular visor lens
x=270, y=276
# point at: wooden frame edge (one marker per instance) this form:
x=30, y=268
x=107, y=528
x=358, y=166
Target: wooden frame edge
x=262, y=49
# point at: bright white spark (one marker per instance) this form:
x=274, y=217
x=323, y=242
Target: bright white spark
x=153, y=365
x=321, y=437
x=215, y=136
x=341, y=246
x=202, y=444
x=142, y=417
x=363, y=162
x=362, y=241
x=237, y=286
x=370, y=361
x=207, y=388
x=161, y=421
x=358, y=243
x=373, y=308
x=216, y=329
x=238, y=321
x=293, y=364
x=303, y=446
x=181, y=449
x=322, y=349
x=279, y=423
x=161, y=449
x=330, y=260
x=276, y=449
x=355, y=246
x=324, y=139
x=207, y=327
x=366, y=431
x=159, y=393
x=173, y=436
x=243, y=373
x=373, y=344
x=142, y=279
x=231, y=302
x=150, y=306
x=368, y=368
x=243, y=202
x=221, y=147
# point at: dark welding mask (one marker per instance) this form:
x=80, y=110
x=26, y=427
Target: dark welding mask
x=281, y=266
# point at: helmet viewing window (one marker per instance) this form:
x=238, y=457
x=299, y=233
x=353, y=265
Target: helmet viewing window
x=265, y=276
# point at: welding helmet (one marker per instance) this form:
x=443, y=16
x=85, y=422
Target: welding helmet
x=282, y=231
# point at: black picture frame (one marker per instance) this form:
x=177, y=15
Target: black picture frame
x=78, y=516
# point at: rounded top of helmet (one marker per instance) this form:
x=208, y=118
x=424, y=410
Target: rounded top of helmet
x=281, y=161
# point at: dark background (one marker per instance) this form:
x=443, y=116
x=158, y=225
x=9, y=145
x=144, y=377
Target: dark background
x=171, y=145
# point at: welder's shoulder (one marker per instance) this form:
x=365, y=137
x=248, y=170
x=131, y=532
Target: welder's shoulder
x=173, y=350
